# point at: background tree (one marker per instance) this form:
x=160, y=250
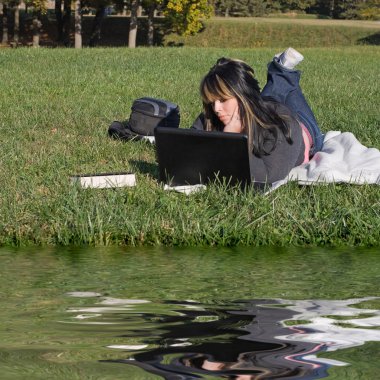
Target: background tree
x=78, y=25
x=258, y=8
x=39, y=8
x=151, y=6
x=4, y=17
x=369, y=10
x=10, y=10
x=296, y=5
x=63, y=17
x=360, y=9
x=353, y=9
x=243, y=8
x=100, y=7
x=16, y=28
x=223, y=7
x=185, y=16
x=133, y=24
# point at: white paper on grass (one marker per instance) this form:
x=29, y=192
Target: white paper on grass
x=102, y=181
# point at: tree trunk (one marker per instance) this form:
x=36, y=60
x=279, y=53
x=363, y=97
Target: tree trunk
x=36, y=31
x=97, y=25
x=16, y=31
x=66, y=21
x=5, y=24
x=151, y=12
x=78, y=24
x=59, y=20
x=133, y=24
x=332, y=8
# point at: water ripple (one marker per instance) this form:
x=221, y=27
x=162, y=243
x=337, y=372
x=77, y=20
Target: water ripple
x=258, y=339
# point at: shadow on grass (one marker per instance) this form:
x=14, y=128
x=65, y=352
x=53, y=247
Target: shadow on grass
x=145, y=167
x=373, y=39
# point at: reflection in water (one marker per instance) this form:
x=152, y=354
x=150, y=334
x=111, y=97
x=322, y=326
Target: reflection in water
x=259, y=339
x=190, y=347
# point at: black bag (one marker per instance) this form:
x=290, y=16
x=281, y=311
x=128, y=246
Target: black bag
x=147, y=114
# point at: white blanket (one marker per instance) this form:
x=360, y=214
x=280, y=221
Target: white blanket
x=342, y=159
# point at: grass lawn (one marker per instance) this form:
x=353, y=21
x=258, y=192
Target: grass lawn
x=55, y=108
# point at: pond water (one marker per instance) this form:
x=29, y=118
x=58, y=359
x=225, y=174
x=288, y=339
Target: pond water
x=153, y=313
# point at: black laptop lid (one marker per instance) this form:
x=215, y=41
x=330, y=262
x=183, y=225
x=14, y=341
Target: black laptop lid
x=190, y=156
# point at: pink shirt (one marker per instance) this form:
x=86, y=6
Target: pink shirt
x=308, y=142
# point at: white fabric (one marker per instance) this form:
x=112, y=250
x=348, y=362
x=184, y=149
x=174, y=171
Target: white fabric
x=150, y=139
x=342, y=159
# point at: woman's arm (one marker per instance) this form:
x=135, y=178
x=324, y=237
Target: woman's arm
x=277, y=165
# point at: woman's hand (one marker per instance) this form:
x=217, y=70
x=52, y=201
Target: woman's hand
x=234, y=125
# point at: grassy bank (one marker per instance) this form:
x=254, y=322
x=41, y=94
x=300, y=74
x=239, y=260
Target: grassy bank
x=56, y=105
x=274, y=32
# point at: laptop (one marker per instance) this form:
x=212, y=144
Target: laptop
x=191, y=157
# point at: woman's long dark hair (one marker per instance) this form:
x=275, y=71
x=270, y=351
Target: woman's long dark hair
x=234, y=78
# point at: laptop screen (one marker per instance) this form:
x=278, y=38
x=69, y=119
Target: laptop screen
x=190, y=157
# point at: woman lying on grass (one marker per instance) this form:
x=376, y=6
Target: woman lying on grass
x=281, y=128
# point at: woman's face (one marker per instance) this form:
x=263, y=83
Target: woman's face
x=227, y=112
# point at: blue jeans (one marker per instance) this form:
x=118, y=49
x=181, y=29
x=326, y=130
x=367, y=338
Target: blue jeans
x=283, y=86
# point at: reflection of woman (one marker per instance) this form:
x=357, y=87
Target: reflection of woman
x=281, y=128
x=244, y=345
x=245, y=368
